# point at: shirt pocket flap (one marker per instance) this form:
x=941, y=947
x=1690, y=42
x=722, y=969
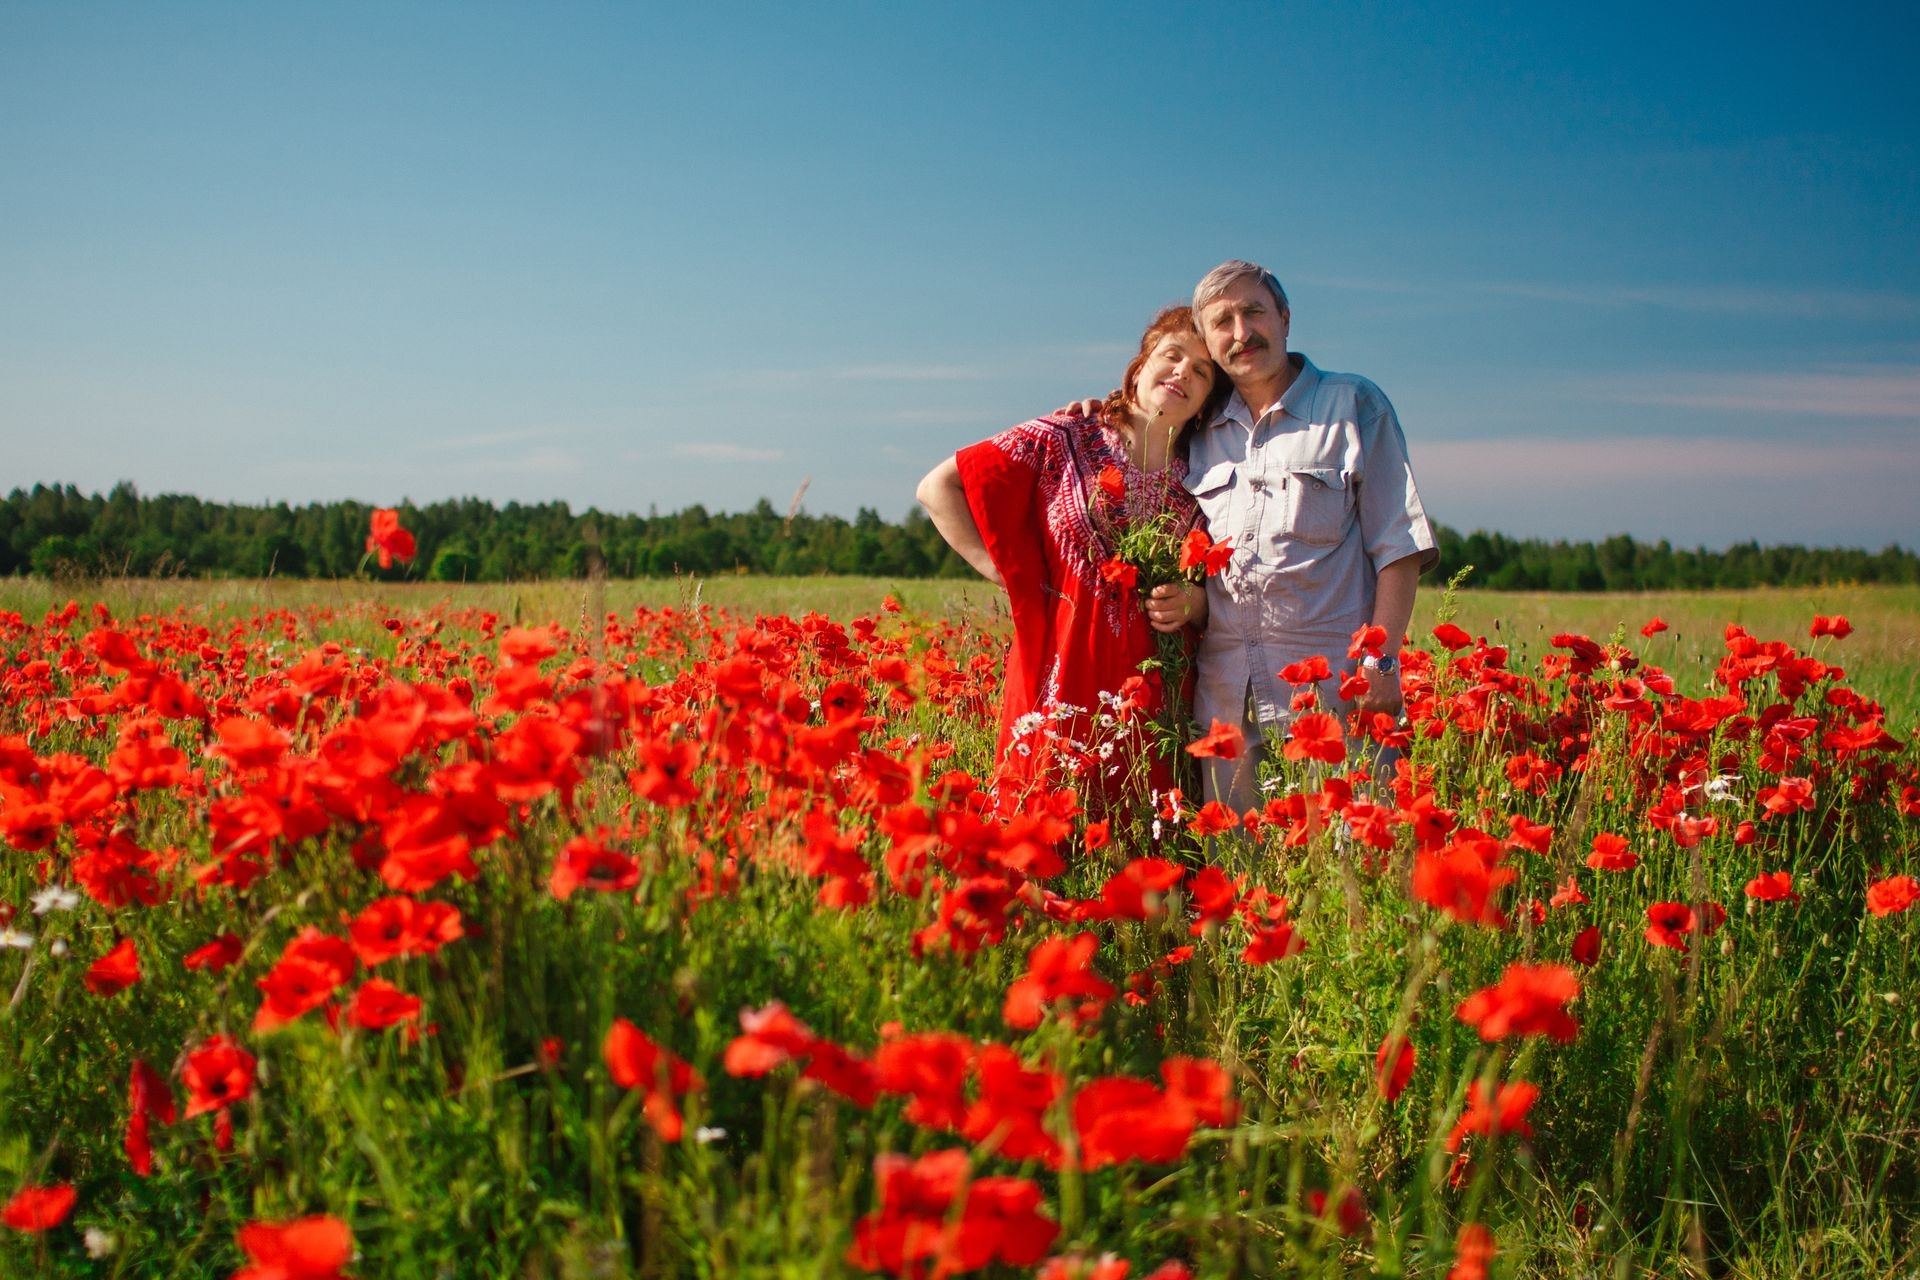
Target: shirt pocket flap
x=1211, y=482
x=1325, y=477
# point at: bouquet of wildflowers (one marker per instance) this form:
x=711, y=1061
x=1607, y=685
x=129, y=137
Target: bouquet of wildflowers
x=1148, y=545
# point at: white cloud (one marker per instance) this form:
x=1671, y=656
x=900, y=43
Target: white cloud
x=713, y=451
x=1869, y=391
x=1721, y=299
x=910, y=373
x=1706, y=489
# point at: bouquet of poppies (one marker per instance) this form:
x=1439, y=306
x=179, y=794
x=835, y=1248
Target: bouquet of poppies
x=1148, y=545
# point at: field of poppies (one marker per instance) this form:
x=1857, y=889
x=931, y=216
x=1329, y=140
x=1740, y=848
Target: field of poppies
x=409, y=939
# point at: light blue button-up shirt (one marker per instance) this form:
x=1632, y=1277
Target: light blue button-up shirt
x=1317, y=497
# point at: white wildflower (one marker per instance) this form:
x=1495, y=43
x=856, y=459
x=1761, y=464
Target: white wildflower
x=58, y=947
x=100, y=1244
x=709, y=1133
x=12, y=937
x=55, y=897
x=1721, y=788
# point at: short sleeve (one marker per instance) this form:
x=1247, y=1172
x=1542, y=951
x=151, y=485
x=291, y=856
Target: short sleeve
x=1002, y=476
x=1392, y=520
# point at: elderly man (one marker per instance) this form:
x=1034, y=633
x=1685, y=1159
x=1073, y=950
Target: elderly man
x=1306, y=473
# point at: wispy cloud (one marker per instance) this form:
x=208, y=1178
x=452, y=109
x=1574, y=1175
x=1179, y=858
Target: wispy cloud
x=713, y=451
x=488, y=439
x=1603, y=458
x=910, y=373
x=1693, y=489
x=533, y=461
x=1869, y=391
x=1853, y=304
x=1701, y=297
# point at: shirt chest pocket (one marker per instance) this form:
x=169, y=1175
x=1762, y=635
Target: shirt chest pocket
x=1212, y=489
x=1319, y=504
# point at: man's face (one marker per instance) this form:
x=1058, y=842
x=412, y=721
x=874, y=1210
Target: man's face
x=1246, y=332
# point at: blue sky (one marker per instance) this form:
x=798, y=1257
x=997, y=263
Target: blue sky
x=1621, y=269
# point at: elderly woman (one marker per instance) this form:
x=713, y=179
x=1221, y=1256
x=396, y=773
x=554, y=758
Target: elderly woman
x=1037, y=509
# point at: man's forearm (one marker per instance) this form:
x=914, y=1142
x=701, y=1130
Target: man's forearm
x=1393, y=592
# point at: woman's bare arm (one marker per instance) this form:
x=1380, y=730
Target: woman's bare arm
x=945, y=499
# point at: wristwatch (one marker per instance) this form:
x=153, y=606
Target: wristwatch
x=1386, y=664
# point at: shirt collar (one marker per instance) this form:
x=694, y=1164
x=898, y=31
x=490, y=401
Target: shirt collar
x=1296, y=401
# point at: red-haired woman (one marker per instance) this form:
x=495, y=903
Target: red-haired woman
x=1035, y=509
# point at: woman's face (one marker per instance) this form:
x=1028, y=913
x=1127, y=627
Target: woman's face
x=1175, y=379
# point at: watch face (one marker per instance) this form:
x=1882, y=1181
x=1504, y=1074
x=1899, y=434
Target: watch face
x=1386, y=664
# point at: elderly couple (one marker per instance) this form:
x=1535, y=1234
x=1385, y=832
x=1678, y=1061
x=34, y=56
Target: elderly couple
x=1216, y=425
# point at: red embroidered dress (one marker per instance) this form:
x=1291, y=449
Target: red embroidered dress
x=1075, y=635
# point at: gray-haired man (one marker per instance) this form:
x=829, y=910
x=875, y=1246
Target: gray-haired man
x=1306, y=473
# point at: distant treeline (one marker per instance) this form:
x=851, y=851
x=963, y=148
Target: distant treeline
x=57, y=531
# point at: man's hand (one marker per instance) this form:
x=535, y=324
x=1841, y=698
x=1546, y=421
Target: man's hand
x=1079, y=409
x=1383, y=693
x=1173, y=605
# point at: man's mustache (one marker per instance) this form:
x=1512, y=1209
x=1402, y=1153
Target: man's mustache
x=1249, y=344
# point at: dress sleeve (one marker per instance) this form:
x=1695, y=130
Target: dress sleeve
x=1005, y=479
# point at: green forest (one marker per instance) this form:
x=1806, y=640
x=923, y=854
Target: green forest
x=56, y=531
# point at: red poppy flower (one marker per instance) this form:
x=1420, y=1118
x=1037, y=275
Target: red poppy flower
x=1473, y=1253
x=378, y=1004
x=1506, y=1112
x=246, y=743
x=1653, y=628
x=666, y=773
x=1837, y=626
x=1772, y=886
x=1529, y=1000
x=39, y=1208
x=1120, y=573
x=388, y=538
x=311, y=968
x=1199, y=551
x=1452, y=638
x=1586, y=947
x=1892, y=895
x=916, y=1231
x=1393, y=1065
x=1223, y=742
x=304, y=1249
x=1136, y=890
x=1213, y=819
x=1058, y=969
x=1273, y=942
x=1610, y=853
x=931, y=1069
x=1368, y=639
x=1316, y=736
x=1534, y=837
x=1113, y=483
x=1463, y=878
x=217, y=1074
x=586, y=863
x=215, y=955
x=636, y=1062
x=148, y=1098
x=1010, y=1114
x=1669, y=923
x=1307, y=670
x=115, y=971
